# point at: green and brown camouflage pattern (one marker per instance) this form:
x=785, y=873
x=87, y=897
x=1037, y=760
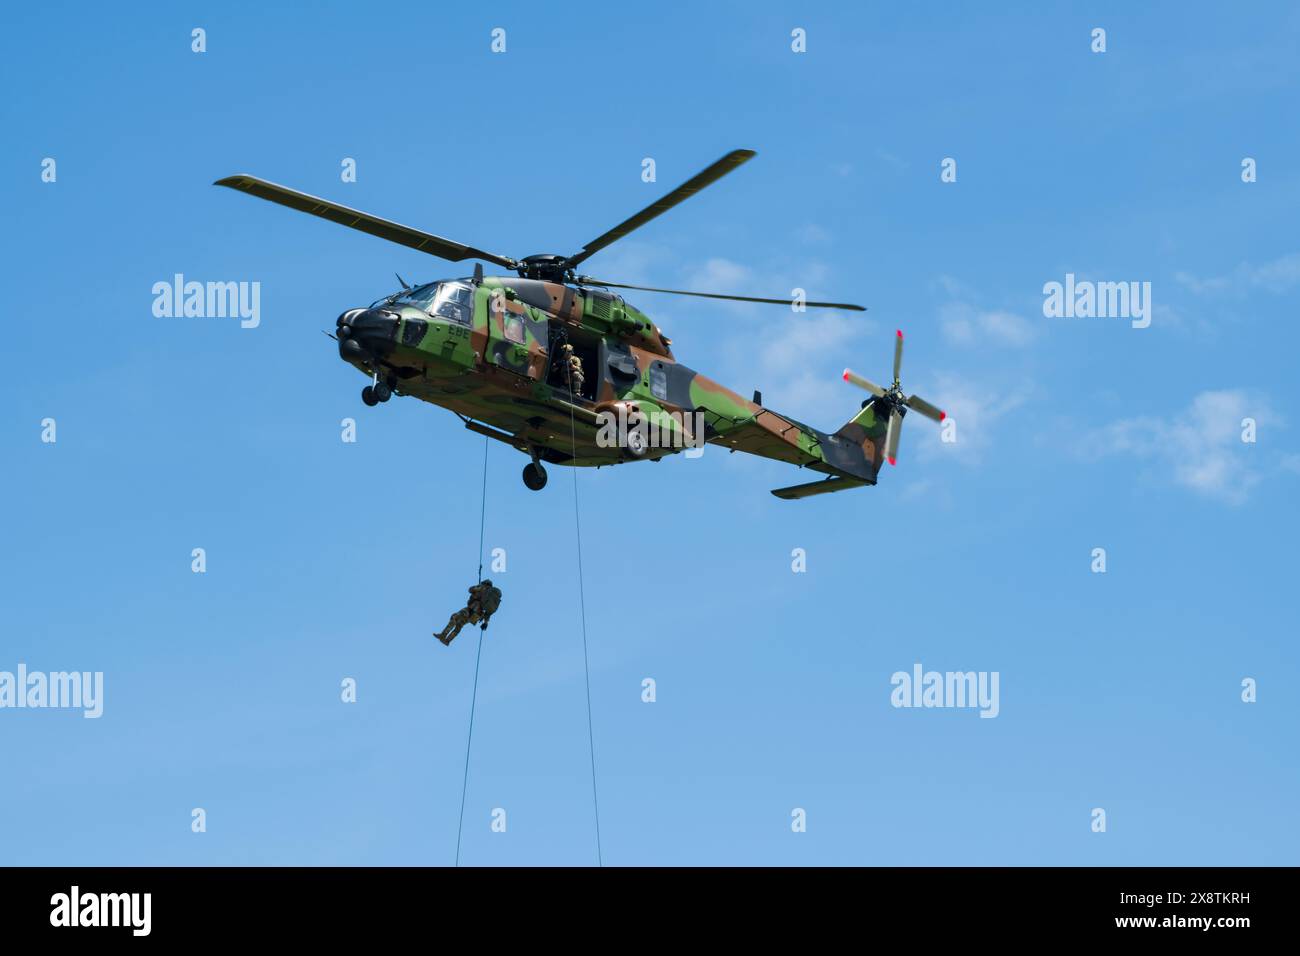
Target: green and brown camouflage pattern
x=487, y=356
x=494, y=375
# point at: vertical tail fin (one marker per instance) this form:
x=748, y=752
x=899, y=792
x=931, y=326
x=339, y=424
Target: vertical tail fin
x=866, y=430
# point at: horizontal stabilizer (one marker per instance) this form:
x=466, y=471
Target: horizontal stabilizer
x=818, y=488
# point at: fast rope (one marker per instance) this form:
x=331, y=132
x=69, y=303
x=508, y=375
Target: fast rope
x=582, y=604
x=586, y=666
x=478, y=656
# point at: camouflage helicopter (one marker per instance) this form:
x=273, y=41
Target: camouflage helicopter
x=547, y=360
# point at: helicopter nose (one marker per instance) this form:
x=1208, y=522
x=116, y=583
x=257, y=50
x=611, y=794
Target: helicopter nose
x=366, y=333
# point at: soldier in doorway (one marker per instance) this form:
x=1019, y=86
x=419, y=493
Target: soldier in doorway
x=571, y=367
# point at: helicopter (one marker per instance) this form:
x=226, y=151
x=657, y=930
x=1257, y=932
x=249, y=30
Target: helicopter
x=554, y=364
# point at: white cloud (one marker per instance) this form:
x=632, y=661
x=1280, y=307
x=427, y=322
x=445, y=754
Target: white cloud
x=974, y=408
x=638, y=263
x=1200, y=448
x=799, y=363
x=1199, y=286
x=725, y=276
x=897, y=162
x=794, y=358
x=965, y=325
x=1169, y=317
x=1277, y=276
x=812, y=234
x=953, y=287
x=722, y=275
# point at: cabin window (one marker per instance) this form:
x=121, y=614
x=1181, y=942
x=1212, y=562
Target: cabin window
x=514, y=329
x=659, y=381
x=621, y=364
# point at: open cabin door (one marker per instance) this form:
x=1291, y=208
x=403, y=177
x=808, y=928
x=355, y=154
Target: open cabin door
x=583, y=346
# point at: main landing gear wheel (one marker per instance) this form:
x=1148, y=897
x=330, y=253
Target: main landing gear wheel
x=534, y=476
x=368, y=396
x=372, y=395
x=636, y=440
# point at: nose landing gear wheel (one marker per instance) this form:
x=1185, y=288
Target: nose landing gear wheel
x=383, y=392
x=369, y=397
x=534, y=477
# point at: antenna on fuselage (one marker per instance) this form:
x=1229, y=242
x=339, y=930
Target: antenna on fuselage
x=403, y=282
x=478, y=273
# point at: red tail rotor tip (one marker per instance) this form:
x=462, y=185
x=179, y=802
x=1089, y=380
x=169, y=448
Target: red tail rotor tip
x=893, y=461
x=942, y=415
x=846, y=375
x=900, y=333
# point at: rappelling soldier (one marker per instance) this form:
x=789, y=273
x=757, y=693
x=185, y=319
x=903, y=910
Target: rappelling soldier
x=484, y=599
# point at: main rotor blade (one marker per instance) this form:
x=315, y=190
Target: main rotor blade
x=588, y=280
x=861, y=382
x=891, y=436
x=920, y=405
x=898, y=354
x=354, y=219
x=683, y=192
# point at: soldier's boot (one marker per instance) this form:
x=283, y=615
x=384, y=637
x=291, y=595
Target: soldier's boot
x=454, y=625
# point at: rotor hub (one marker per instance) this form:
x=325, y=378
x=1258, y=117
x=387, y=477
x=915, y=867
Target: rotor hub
x=547, y=267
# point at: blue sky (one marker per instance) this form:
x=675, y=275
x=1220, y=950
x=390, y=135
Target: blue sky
x=328, y=560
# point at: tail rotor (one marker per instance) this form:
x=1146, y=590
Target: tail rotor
x=893, y=402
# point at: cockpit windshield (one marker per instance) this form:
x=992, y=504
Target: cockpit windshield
x=444, y=300
x=421, y=296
